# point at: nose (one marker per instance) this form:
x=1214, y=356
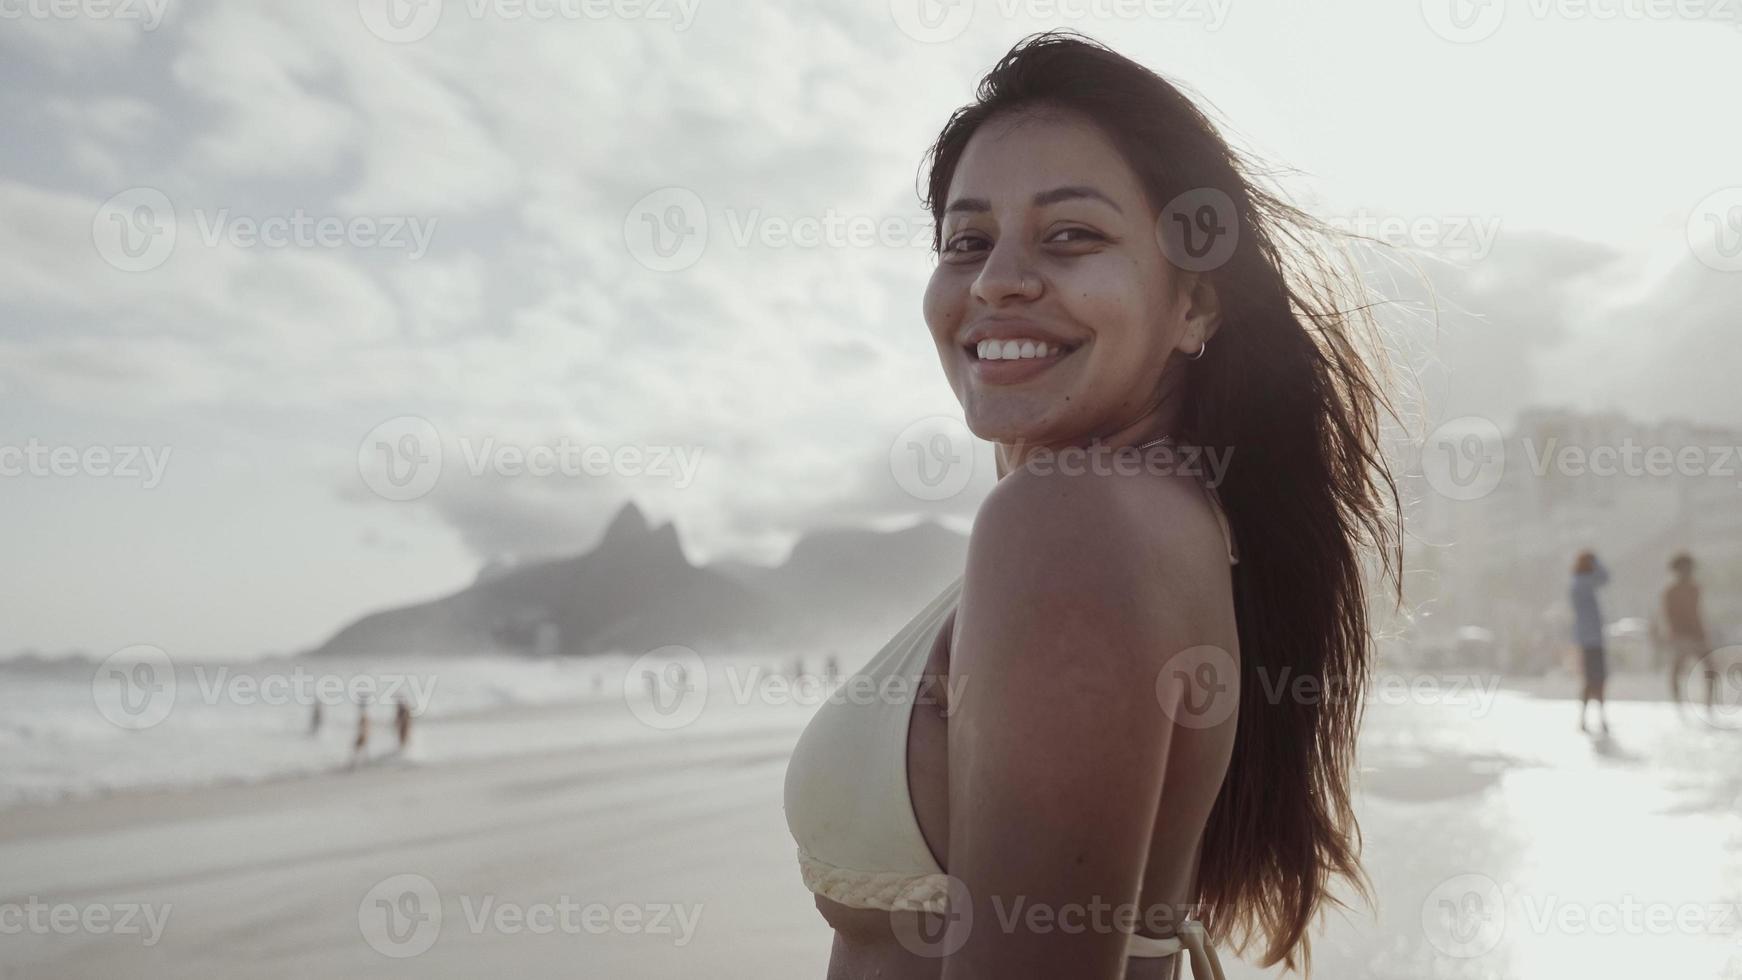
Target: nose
x=1007, y=275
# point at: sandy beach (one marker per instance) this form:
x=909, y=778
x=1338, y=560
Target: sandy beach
x=268, y=880
x=669, y=857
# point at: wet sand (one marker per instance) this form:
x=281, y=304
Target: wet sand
x=1501, y=841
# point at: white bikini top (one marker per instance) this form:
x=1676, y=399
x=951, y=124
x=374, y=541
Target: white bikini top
x=847, y=800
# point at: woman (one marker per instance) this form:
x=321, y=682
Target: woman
x=1087, y=728
x=1588, y=576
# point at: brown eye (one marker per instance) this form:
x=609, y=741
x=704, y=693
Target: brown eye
x=963, y=244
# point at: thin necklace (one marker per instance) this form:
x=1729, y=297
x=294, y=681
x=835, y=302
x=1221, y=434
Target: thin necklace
x=1154, y=442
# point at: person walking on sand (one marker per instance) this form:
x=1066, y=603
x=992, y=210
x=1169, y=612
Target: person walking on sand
x=1686, y=629
x=360, y=747
x=402, y=722
x=1588, y=576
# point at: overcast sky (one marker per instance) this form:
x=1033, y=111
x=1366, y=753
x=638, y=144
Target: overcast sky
x=263, y=251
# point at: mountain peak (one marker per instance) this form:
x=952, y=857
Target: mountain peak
x=628, y=525
x=630, y=533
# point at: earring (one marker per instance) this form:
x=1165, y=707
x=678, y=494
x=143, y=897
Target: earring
x=1201, y=348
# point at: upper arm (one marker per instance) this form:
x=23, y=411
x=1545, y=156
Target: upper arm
x=1059, y=740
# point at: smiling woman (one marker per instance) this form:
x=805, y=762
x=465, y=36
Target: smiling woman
x=1090, y=741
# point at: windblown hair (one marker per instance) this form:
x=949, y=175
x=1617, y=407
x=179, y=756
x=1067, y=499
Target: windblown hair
x=1290, y=387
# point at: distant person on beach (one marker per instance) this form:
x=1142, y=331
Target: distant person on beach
x=1588, y=576
x=402, y=722
x=1685, y=629
x=360, y=747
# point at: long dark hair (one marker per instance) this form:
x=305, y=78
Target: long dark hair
x=1288, y=389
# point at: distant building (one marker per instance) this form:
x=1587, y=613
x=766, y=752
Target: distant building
x=1635, y=492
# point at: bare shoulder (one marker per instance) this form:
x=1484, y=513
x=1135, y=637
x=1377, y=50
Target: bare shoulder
x=1133, y=562
x=1099, y=528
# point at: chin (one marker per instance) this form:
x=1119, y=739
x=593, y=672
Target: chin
x=1011, y=420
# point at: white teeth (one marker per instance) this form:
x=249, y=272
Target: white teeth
x=1010, y=350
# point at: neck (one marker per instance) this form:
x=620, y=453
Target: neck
x=1159, y=422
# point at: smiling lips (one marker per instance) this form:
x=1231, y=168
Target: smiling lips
x=1009, y=360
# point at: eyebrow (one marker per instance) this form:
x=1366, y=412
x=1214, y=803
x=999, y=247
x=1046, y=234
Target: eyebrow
x=980, y=205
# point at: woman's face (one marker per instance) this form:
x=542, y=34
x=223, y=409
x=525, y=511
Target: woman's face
x=1048, y=238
